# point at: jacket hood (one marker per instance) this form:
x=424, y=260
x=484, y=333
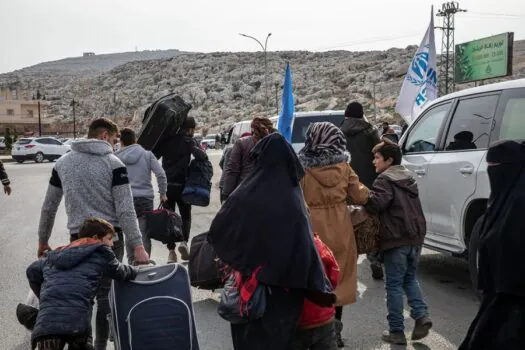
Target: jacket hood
x=66, y=258
x=328, y=176
x=92, y=146
x=131, y=154
x=353, y=126
x=402, y=178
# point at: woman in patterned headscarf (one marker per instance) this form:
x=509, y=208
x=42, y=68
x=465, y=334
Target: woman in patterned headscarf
x=328, y=182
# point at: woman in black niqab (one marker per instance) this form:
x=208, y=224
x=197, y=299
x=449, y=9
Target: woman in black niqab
x=500, y=322
x=264, y=223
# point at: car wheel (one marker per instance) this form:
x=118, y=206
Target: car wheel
x=20, y=161
x=473, y=255
x=39, y=157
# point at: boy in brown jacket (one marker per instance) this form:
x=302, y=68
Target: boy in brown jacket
x=395, y=198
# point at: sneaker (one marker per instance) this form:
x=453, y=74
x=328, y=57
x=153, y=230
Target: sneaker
x=397, y=338
x=377, y=271
x=421, y=328
x=183, y=250
x=172, y=257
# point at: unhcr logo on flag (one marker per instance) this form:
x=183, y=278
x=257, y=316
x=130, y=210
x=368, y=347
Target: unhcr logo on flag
x=420, y=84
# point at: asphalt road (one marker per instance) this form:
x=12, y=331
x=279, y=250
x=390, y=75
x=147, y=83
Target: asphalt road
x=445, y=280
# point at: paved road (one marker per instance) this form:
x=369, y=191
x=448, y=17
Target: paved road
x=444, y=279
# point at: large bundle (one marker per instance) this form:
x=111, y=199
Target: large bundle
x=162, y=119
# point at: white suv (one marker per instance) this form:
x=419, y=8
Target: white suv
x=446, y=150
x=38, y=149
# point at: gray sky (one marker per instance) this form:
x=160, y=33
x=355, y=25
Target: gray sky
x=44, y=30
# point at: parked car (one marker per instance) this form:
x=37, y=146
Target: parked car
x=38, y=149
x=445, y=148
x=198, y=138
x=209, y=141
x=302, y=121
x=2, y=143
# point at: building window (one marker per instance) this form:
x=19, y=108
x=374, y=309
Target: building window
x=10, y=112
x=30, y=113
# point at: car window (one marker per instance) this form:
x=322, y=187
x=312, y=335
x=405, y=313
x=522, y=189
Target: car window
x=471, y=123
x=55, y=142
x=42, y=141
x=301, y=124
x=513, y=121
x=423, y=136
x=23, y=141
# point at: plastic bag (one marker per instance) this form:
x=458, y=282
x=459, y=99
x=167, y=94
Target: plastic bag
x=230, y=306
x=27, y=312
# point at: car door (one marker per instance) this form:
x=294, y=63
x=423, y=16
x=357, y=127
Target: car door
x=454, y=168
x=58, y=148
x=42, y=145
x=419, y=147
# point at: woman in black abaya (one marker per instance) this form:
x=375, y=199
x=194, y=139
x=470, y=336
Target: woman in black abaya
x=500, y=322
x=264, y=224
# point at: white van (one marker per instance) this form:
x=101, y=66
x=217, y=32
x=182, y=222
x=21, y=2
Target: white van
x=446, y=147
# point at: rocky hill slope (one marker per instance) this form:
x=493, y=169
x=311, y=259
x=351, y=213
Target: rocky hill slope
x=223, y=87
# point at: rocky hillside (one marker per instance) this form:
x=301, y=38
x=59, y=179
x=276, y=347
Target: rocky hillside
x=223, y=87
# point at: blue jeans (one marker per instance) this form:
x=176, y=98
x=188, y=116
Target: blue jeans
x=400, y=269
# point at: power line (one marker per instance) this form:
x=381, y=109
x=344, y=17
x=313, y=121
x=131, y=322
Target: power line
x=492, y=14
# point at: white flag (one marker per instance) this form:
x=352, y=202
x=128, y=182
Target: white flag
x=420, y=84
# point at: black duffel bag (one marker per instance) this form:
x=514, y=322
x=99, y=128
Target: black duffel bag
x=198, y=184
x=204, y=267
x=164, y=225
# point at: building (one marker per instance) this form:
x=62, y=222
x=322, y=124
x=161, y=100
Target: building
x=21, y=114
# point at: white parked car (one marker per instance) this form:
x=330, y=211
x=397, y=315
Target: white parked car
x=209, y=141
x=38, y=149
x=446, y=147
x=301, y=122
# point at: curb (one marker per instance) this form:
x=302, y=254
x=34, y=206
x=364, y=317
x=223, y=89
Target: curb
x=7, y=160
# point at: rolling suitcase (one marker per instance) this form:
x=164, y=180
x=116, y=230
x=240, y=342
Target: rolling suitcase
x=162, y=119
x=154, y=311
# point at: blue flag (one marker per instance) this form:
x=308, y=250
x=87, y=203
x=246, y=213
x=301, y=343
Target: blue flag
x=286, y=116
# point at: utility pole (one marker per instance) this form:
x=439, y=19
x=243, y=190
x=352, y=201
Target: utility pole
x=39, y=120
x=276, y=97
x=73, y=103
x=448, y=11
x=374, y=97
x=264, y=47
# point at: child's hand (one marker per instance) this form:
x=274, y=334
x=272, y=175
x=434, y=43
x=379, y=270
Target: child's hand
x=7, y=190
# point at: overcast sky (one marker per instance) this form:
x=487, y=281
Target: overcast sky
x=35, y=31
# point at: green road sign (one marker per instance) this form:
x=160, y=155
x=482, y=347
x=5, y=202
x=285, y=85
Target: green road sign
x=484, y=58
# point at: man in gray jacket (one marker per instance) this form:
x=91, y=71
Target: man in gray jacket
x=95, y=184
x=140, y=164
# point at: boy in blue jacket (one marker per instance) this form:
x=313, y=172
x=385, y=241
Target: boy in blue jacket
x=66, y=281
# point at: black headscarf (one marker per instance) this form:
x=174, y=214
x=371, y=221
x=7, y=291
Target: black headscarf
x=265, y=223
x=502, y=234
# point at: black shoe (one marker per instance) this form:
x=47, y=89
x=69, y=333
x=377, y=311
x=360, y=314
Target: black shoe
x=397, y=338
x=377, y=271
x=421, y=328
x=339, y=340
